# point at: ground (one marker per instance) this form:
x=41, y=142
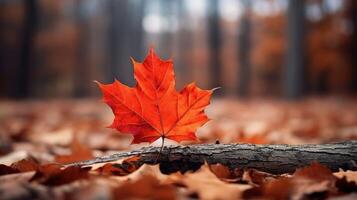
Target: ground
x=37, y=138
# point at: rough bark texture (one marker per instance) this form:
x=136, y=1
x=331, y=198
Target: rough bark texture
x=275, y=159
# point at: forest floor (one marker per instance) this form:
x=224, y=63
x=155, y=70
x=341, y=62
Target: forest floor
x=37, y=138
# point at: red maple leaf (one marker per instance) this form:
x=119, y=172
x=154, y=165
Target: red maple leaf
x=153, y=108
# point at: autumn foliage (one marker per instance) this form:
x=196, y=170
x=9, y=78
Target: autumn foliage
x=35, y=146
x=153, y=108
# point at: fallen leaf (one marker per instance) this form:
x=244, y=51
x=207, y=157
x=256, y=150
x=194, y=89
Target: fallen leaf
x=316, y=172
x=208, y=186
x=25, y=176
x=125, y=167
x=153, y=108
x=346, y=186
x=146, y=182
x=351, y=176
x=13, y=157
x=54, y=175
x=4, y=169
x=253, y=176
x=145, y=169
x=98, y=188
x=26, y=165
x=279, y=189
x=225, y=174
x=220, y=171
x=79, y=152
x=147, y=187
x=314, y=181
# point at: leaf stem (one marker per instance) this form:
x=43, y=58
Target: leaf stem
x=161, y=148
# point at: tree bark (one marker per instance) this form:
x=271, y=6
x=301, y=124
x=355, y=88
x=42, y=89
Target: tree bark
x=276, y=159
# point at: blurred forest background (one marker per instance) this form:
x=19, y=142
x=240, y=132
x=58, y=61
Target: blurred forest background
x=287, y=71
x=281, y=48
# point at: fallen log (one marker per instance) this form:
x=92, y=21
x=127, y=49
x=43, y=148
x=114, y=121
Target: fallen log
x=276, y=159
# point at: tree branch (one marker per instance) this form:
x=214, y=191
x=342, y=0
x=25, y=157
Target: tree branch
x=275, y=159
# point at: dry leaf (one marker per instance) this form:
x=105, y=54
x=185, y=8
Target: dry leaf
x=253, y=176
x=351, y=176
x=146, y=187
x=314, y=181
x=54, y=175
x=4, y=169
x=225, y=174
x=79, y=152
x=208, y=186
x=125, y=167
x=26, y=165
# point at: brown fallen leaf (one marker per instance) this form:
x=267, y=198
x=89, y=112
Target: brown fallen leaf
x=279, y=189
x=351, y=176
x=79, y=152
x=208, y=186
x=145, y=169
x=13, y=157
x=253, y=176
x=4, y=170
x=125, y=167
x=346, y=186
x=314, y=181
x=225, y=174
x=145, y=183
x=26, y=165
x=146, y=187
x=53, y=174
x=315, y=172
x=25, y=177
x=97, y=188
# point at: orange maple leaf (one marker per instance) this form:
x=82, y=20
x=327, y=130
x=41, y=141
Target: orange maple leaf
x=153, y=108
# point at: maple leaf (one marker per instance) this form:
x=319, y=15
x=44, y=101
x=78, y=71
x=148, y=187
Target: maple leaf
x=153, y=108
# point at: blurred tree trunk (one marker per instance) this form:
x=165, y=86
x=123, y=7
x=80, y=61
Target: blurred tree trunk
x=116, y=27
x=165, y=38
x=27, y=48
x=183, y=43
x=125, y=38
x=11, y=26
x=294, y=71
x=353, y=14
x=131, y=44
x=244, y=42
x=136, y=32
x=214, y=35
x=82, y=72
